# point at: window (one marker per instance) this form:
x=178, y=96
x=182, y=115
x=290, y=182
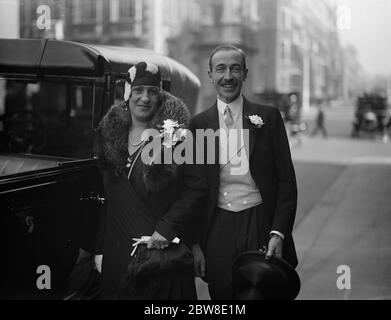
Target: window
x=130, y=11
x=284, y=83
x=285, y=51
x=47, y=118
x=84, y=11
x=126, y=9
x=286, y=21
x=114, y=10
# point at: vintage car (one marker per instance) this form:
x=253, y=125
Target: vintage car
x=52, y=96
x=372, y=116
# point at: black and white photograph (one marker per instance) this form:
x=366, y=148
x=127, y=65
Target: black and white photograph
x=210, y=151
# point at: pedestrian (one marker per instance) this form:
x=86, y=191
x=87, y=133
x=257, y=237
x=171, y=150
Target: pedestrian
x=144, y=199
x=320, y=121
x=251, y=207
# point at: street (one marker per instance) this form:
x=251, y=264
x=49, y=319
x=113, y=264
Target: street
x=344, y=218
x=344, y=213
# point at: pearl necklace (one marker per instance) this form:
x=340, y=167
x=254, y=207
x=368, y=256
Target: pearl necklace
x=135, y=144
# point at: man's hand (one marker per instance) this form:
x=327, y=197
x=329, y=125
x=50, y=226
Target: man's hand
x=157, y=241
x=199, y=261
x=275, y=247
x=98, y=262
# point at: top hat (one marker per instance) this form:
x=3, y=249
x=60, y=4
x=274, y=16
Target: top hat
x=255, y=278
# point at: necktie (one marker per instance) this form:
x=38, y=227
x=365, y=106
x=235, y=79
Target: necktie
x=228, y=118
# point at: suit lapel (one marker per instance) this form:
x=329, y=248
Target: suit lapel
x=213, y=123
x=248, y=110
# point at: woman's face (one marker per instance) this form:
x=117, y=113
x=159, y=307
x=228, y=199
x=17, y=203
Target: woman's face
x=144, y=102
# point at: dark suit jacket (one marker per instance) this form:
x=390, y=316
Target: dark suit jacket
x=271, y=168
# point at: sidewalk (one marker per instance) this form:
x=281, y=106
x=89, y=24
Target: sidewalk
x=349, y=226
x=342, y=151
x=351, y=223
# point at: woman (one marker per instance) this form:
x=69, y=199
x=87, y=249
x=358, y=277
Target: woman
x=144, y=199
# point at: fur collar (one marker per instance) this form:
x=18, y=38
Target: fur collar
x=112, y=138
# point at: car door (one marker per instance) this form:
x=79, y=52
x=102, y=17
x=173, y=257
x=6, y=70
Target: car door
x=50, y=188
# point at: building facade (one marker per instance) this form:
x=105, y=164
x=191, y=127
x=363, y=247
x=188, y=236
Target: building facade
x=353, y=76
x=291, y=45
x=208, y=24
x=299, y=49
x=114, y=22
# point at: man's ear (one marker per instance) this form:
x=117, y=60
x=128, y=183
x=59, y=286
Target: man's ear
x=245, y=75
x=210, y=75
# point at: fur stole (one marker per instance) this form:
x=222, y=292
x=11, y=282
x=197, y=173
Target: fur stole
x=112, y=140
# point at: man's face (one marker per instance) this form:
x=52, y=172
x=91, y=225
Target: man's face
x=144, y=102
x=228, y=74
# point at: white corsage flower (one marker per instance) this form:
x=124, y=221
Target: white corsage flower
x=171, y=133
x=128, y=90
x=256, y=120
x=170, y=125
x=152, y=68
x=132, y=73
x=128, y=86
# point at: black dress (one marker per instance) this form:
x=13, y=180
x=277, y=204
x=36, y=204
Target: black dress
x=133, y=211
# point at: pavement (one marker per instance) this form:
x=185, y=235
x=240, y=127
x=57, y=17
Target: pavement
x=344, y=211
x=349, y=225
x=342, y=151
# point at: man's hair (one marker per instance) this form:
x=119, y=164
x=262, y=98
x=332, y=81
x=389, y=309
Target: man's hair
x=228, y=47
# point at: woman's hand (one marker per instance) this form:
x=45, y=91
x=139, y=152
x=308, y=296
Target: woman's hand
x=157, y=241
x=98, y=262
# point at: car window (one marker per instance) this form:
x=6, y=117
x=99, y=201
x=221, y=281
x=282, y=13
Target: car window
x=46, y=118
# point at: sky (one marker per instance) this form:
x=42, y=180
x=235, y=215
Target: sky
x=369, y=32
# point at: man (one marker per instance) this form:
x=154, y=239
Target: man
x=252, y=207
x=320, y=121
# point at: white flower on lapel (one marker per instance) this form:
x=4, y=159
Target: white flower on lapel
x=172, y=133
x=169, y=125
x=256, y=120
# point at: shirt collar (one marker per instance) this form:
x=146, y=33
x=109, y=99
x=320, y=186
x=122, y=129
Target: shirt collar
x=235, y=106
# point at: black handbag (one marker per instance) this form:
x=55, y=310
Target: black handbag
x=154, y=261
x=151, y=267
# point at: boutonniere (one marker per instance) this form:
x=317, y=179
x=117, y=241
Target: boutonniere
x=172, y=133
x=256, y=120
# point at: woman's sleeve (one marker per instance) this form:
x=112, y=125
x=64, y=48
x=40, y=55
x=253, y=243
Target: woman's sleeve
x=194, y=189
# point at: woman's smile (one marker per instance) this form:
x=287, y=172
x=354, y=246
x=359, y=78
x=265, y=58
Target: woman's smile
x=143, y=106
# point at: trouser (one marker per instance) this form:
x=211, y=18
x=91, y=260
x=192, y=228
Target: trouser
x=231, y=234
x=320, y=127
